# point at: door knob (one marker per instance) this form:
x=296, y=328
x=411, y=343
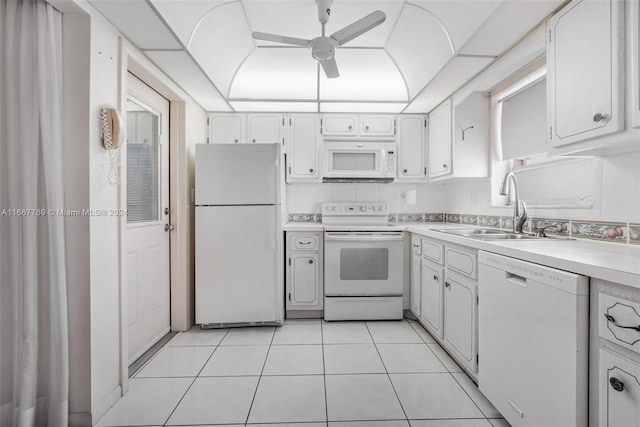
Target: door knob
x=404, y=171
x=444, y=165
x=310, y=261
x=168, y=227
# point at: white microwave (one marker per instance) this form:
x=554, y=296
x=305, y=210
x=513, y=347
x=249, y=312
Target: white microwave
x=347, y=161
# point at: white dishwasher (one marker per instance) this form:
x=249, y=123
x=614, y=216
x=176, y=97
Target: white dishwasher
x=533, y=342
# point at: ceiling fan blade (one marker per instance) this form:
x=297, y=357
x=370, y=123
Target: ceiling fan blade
x=280, y=39
x=330, y=68
x=359, y=27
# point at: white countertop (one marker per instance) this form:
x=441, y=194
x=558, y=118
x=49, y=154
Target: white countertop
x=303, y=226
x=615, y=262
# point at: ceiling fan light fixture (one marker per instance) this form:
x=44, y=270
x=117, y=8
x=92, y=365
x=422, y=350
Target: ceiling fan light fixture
x=323, y=48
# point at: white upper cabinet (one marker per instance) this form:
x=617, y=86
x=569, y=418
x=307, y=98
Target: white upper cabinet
x=440, y=140
x=303, y=162
x=584, y=71
x=265, y=128
x=339, y=125
x=377, y=125
x=411, y=147
x=362, y=126
x=226, y=128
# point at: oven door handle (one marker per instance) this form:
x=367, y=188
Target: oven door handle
x=363, y=238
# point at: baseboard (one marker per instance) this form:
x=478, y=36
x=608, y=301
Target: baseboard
x=304, y=314
x=106, y=404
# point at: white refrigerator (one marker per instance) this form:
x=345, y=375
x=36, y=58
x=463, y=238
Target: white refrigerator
x=238, y=235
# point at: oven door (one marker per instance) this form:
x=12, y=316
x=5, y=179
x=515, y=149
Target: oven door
x=359, y=263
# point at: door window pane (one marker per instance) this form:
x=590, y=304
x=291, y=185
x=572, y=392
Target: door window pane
x=364, y=264
x=143, y=159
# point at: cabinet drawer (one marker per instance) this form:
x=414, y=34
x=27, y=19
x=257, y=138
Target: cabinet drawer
x=307, y=243
x=619, y=390
x=416, y=245
x=432, y=251
x=463, y=262
x=617, y=318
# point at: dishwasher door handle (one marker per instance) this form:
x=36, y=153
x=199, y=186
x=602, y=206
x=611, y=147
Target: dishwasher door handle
x=515, y=279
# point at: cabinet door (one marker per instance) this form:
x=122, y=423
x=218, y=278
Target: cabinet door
x=619, y=394
x=303, y=161
x=440, y=137
x=226, y=129
x=460, y=299
x=339, y=125
x=411, y=147
x=416, y=266
x=304, y=286
x=265, y=128
x=584, y=54
x=377, y=126
x=431, y=294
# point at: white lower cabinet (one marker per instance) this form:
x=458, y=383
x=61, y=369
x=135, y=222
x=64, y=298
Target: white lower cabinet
x=614, y=355
x=619, y=390
x=431, y=301
x=304, y=281
x=460, y=314
x=416, y=263
x=448, y=298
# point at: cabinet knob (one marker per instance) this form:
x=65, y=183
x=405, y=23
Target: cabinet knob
x=435, y=277
x=310, y=261
x=444, y=165
x=404, y=171
x=366, y=128
x=254, y=141
x=311, y=170
x=235, y=140
x=616, y=384
x=350, y=127
x=599, y=117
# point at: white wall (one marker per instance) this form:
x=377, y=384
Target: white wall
x=400, y=198
x=93, y=77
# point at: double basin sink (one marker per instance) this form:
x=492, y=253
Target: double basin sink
x=495, y=234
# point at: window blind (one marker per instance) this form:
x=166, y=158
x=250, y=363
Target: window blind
x=524, y=122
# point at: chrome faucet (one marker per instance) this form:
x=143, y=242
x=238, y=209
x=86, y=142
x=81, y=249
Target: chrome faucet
x=519, y=215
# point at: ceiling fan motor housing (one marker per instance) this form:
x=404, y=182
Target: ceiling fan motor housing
x=324, y=10
x=323, y=48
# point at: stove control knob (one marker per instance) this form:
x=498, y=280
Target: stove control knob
x=363, y=208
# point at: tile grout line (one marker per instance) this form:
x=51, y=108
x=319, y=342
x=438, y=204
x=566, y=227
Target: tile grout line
x=451, y=373
x=406, y=417
x=195, y=378
x=260, y=377
x=324, y=377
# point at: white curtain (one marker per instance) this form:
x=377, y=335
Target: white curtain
x=33, y=310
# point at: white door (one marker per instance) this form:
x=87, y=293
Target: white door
x=378, y=125
x=459, y=319
x=304, y=280
x=431, y=298
x=226, y=129
x=265, y=128
x=411, y=147
x=303, y=145
x=339, y=125
x=440, y=138
x=147, y=242
x=416, y=266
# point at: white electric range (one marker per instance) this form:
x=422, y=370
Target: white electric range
x=363, y=262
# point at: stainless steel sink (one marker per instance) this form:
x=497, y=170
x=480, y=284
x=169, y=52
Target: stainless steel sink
x=495, y=234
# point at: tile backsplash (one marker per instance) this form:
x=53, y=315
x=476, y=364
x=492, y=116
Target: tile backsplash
x=600, y=230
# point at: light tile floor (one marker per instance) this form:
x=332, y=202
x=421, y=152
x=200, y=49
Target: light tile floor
x=304, y=374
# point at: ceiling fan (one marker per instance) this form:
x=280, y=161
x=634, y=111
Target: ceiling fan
x=323, y=48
